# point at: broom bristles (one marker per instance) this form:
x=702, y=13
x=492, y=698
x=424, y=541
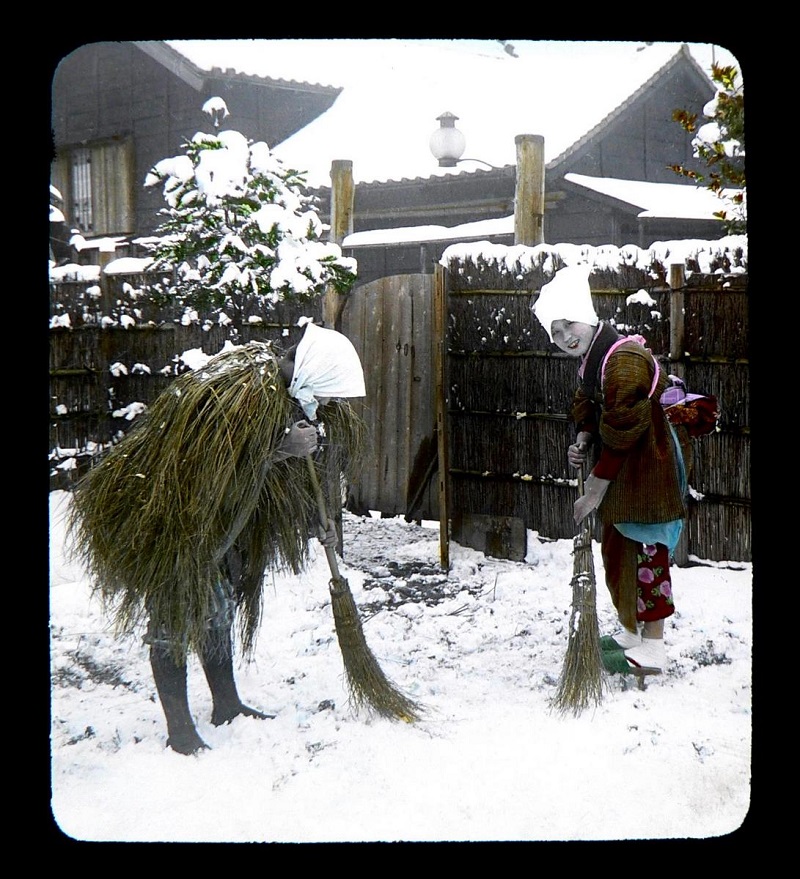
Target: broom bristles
x=582, y=681
x=367, y=684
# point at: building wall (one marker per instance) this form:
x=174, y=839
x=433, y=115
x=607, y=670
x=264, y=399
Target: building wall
x=645, y=140
x=107, y=90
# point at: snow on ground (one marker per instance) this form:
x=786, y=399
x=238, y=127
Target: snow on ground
x=481, y=647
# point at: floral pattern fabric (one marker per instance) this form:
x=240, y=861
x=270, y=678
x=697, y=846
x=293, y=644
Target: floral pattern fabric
x=653, y=583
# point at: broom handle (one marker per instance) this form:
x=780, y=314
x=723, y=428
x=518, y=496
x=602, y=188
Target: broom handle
x=586, y=526
x=323, y=515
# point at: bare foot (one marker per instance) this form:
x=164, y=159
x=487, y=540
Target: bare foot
x=227, y=713
x=187, y=743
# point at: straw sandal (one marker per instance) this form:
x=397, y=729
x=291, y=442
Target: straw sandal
x=635, y=661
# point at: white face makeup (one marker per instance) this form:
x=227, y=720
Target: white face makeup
x=572, y=337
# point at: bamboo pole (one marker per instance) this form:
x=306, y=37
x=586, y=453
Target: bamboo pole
x=105, y=255
x=439, y=327
x=677, y=341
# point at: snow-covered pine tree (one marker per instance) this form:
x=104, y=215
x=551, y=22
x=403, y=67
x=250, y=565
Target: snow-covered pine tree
x=239, y=235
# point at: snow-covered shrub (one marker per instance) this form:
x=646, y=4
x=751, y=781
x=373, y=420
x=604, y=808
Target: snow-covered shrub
x=237, y=227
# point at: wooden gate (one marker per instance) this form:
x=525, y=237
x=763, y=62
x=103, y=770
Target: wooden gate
x=389, y=322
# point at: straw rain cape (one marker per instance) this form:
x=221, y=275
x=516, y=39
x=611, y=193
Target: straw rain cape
x=197, y=483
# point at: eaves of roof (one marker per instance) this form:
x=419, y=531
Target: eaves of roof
x=614, y=201
x=197, y=78
x=377, y=185
x=682, y=56
x=647, y=200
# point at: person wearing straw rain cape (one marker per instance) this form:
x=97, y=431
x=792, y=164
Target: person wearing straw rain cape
x=181, y=519
x=638, y=483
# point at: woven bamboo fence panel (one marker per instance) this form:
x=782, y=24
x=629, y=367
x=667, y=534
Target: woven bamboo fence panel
x=113, y=350
x=509, y=391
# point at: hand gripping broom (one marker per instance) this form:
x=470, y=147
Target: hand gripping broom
x=582, y=678
x=366, y=681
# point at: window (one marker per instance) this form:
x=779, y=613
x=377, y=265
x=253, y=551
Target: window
x=81, y=189
x=96, y=181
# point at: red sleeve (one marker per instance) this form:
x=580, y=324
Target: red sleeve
x=609, y=463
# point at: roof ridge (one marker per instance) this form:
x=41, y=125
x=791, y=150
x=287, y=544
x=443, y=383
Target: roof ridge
x=174, y=59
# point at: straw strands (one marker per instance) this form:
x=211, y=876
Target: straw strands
x=155, y=519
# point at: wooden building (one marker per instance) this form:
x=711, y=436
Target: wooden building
x=120, y=107
x=637, y=143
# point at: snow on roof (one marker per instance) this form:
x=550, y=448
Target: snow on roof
x=394, y=90
x=656, y=200
x=414, y=234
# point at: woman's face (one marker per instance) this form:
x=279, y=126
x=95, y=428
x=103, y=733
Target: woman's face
x=572, y=337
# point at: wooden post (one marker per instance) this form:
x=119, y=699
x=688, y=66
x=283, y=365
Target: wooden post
x=342, y=198
x=529, y=196
x=440, y=395
x=677, y=279
x=342, y=195
x=106, y=254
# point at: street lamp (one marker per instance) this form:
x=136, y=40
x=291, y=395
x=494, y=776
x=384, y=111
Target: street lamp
x=447, y=143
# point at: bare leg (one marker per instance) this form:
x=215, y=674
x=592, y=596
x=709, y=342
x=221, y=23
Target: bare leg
x=170, y=678
x=653, y=629
x=217, y=660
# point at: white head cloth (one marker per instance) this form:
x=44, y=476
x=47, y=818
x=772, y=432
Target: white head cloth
x=566, y=297
x=325, y=365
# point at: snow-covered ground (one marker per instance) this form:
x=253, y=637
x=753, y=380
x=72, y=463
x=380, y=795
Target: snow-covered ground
x=481, y=647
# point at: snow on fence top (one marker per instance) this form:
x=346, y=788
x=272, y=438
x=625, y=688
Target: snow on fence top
x=726, y=255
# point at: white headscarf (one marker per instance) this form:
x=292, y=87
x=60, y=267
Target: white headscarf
x=566, y=297
x=325, y=365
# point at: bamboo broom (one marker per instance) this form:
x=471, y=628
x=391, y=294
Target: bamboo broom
x=582, y=679
x=367, y=684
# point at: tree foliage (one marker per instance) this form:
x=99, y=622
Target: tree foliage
x=238, y=235
x=719, y=144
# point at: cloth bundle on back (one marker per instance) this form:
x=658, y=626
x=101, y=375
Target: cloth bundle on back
x=324, y=368
x=179, y=521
